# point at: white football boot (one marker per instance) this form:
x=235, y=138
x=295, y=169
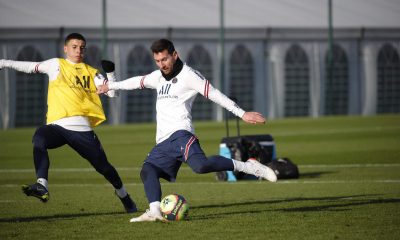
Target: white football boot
x=149, y=217
x=254, y=167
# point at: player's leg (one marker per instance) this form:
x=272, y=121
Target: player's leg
x=252, y=167
x=89, y=147
x=195, y=158
x=150, y=176
x=45, y=137
x=199, y=163
x=158, y=164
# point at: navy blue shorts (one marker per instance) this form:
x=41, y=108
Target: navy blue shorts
x=170, y=153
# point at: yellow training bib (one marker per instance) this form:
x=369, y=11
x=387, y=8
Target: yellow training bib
x=73, y=93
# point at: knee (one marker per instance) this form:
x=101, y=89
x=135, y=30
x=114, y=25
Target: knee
x=199, y=165
x=200, y=169
x=143, y=174
x=147, y=171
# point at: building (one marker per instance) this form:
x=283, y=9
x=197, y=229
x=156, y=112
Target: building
x=276, y=55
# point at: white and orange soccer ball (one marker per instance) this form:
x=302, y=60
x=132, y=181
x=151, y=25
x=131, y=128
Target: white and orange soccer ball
x=174, y=207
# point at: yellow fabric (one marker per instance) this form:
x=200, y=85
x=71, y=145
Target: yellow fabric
x=73, y=93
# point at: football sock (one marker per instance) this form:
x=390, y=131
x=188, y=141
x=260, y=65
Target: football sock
x=43, y=181
x=121, y=192
x=238, y=165
x=155, y=207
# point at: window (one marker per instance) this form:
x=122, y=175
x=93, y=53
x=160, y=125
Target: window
x=200, y=60
x=388, y=80
x=31, y=92
x=93, y=58
x=242, y=77
x=337, y=86
x=297, y=82
x=140, y=103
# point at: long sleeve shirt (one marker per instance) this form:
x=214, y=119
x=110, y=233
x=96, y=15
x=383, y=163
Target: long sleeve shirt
x=175, y=98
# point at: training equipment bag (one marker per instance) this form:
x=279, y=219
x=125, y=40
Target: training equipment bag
x=241, y=148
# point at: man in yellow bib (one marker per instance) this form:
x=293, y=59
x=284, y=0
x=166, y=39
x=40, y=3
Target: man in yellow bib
x=74, y=109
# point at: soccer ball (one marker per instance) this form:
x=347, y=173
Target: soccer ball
x=174, y=207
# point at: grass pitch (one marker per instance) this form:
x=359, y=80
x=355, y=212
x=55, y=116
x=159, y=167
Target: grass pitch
x=349, y=186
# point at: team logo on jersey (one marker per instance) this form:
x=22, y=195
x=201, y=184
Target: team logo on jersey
x=174, y=80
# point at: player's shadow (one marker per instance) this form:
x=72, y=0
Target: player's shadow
x=343, y=203
x=56, y=217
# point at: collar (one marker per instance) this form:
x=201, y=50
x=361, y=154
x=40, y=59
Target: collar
x=69, y=61
x=176, y=69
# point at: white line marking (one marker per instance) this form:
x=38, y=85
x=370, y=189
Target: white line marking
x=187, y=168
x=337, y=131
x=350, y=165
x=65, y=170
x=220, y=183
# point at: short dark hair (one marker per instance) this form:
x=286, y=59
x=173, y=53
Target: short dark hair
x=74, y=36
x=161, y=45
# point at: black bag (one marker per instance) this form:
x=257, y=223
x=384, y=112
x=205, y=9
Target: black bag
x=284, y=168
x=241, y=148
x=260, y=147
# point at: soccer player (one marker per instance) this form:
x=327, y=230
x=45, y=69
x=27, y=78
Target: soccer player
x=177, y=86
x=74, y=108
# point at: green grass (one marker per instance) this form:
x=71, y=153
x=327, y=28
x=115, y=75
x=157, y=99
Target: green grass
x=349, y=186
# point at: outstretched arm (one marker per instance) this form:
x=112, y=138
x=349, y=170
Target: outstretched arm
x=49, y=67
x=128, y=84
x=21, y=66
x=28, y=67
x=138, y=82
x=109, y=68
x=204, y=87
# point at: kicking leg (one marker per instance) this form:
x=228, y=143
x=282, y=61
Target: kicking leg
x=199, y=163
x=254, y=167
x=194, y=156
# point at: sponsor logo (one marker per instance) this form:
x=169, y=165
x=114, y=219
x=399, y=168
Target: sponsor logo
x=164, y=89
x=163, y=93
x=82, y=83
